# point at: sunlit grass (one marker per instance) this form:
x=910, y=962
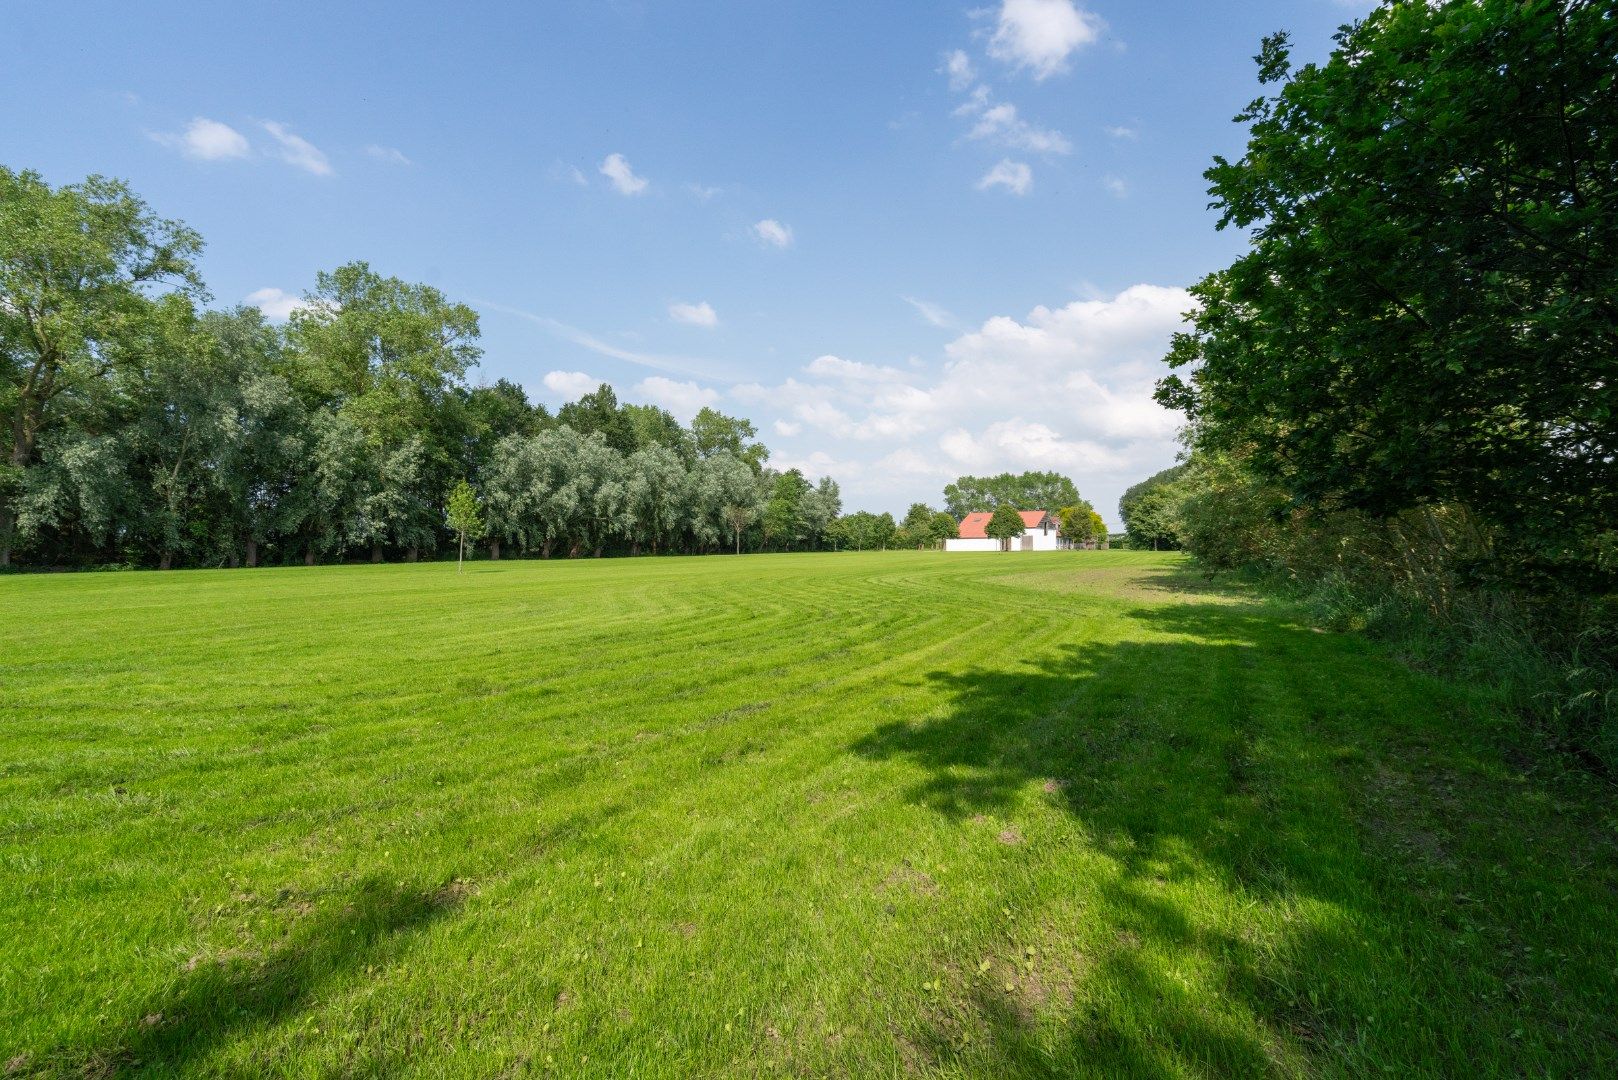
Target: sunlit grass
x=1077, y=813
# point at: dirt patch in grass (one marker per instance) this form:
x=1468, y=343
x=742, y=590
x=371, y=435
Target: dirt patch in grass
x=1011, y=836
x=907, y=878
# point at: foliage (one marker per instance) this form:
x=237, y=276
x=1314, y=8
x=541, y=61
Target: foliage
x=1082, y=525
x=1428, y=312
x=1148, y=510
x=80, y=269
x=1024, y=491
x=465, y=516
x=924, y=527
x=149, y=433
x=1005, y=524
x=864, y=531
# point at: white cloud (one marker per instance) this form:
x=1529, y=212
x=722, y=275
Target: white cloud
x=1014, y=176
x=387, y=154
x=276, y=304
x=704, y=191
x=701, y=314
x=1118, y=131
x=1040, y=35
x=931, y=312
x=1067, y=388
x=683, y=399
x=295, y=150
x=772, y=233
x=1001, y=124
x=207, y=140
x=958, y=67
x=1115, y=186
x=570, y=385
x=615, y=167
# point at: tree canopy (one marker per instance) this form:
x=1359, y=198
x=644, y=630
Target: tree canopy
x=147, y=430
x=1428, y=309
x=1021, y=491
x=1148, y=510
x=1005, y=523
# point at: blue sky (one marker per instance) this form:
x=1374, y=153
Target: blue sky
x=909, y=240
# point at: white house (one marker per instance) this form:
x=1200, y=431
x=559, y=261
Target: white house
x=1039, y=533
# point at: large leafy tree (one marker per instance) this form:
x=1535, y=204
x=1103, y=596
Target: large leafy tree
x=1005, y=524
x=598, y=413
x=392, y=358
x=712, y=432
x=79, y=267
x=819, y=508
x=1428, y=312
x=1021, y=491
x=1148, y=510
x=782, y=519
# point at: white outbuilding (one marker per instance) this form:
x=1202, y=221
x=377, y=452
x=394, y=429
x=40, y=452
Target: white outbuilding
x=1040, y=533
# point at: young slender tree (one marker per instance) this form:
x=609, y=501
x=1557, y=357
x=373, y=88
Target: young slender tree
x=465, y=517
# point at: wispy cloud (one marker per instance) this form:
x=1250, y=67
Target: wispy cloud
x=1001, y=124
x=387, y=154
x=615, y=167
x=701, y=314
x=772, y=233
x=296, y=150
x=931, y=312
x=206, y=140
x=1015, y=176
x=689, y=366
x=958, y=68
x=1119, y=131
x=704, y=191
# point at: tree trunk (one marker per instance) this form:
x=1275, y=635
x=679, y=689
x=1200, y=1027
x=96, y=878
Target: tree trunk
x=252, y=552
x=598, y=551
x=6, y=523
x=545, y=552
x=309, y=557
x=494, y=549
x=634, y=548
x=738, y=541
x=376, y=552
x=460, y=554
x=413, y=554
x=166, y=562
x=233, y=560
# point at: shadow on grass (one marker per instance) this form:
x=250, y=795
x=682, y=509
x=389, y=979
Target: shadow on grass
x=1219, y=769
x=216, y=998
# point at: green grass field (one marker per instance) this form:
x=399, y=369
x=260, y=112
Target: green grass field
x=811, y=815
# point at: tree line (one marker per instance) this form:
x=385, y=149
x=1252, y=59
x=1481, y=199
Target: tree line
x=1402, y=400
x=146, y=429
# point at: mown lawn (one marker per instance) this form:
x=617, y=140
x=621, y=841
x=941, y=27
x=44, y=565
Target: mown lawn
x=824, y=815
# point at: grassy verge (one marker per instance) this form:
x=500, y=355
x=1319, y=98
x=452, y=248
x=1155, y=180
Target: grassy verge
x=1078, y=813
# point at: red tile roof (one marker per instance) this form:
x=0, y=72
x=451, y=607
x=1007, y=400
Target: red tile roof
x=974, y=526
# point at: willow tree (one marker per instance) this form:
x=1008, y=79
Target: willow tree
x=79, y=268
